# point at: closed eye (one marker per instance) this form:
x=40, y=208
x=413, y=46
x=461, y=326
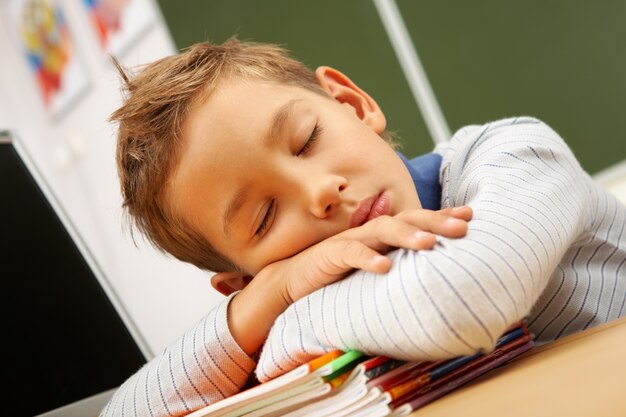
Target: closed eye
x=266, y=218
x=312, y=138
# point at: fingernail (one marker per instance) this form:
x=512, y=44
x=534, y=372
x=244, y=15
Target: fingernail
x=458, y=210
x=454, y=222
x=420, y=234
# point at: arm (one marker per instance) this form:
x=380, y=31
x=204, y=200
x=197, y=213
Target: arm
x=528, y=194
x=204, y=366
x=211, y=361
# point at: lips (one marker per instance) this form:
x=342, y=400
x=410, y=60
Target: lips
x=370, y=208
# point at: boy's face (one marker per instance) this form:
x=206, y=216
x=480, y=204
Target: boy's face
x=267, y=169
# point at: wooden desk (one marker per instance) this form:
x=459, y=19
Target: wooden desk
x=581, y=375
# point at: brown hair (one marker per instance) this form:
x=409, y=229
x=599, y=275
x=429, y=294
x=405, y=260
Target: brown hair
x=157, y=101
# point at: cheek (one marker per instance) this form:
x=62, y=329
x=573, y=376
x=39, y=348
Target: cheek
x=291, y=236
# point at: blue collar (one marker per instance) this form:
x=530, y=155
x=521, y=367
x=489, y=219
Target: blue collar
x=424, y=171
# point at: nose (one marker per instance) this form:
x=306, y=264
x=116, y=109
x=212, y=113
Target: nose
x=323, y=193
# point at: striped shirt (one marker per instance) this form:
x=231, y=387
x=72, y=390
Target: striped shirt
x=204, y=366
x=545, y=244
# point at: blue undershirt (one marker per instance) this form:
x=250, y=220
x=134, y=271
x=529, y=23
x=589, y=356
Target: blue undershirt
x=424, y=170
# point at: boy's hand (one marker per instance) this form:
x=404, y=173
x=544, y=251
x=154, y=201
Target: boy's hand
x=253, y=311
x=364, y=247
x=411, y=229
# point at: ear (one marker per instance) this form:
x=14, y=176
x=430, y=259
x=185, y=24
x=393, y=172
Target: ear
x=342, y=89
x=229, y=282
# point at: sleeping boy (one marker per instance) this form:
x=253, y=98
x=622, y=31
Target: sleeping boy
x=238, y=159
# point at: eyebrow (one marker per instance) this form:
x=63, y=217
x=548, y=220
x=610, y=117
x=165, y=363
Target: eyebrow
x=278, y=122
x=233, y=207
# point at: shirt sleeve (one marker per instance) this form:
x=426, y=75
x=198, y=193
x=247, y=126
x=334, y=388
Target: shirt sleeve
x=204, y=366
x=528, y=194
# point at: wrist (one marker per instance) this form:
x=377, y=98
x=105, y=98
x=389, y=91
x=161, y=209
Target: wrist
x=271, y=283
x=253, y=311
x=278, y=279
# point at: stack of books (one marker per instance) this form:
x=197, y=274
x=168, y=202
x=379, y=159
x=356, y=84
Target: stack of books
x=350, y=383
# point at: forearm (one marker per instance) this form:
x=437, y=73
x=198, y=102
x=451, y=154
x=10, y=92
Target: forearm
x=204, y=366
x=428, y=306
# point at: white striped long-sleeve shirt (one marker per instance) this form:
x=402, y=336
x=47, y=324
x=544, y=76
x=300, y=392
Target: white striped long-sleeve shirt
x=545, y=244
x=204, y=366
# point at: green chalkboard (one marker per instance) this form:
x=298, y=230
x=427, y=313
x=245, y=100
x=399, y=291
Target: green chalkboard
x=562, y=61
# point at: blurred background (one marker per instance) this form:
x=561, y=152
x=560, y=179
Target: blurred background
x=433, y=66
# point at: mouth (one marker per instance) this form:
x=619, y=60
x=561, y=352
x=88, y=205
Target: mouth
x=370, y=208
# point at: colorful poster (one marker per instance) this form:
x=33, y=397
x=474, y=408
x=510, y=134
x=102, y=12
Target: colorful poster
x=118, y=23
x=44, y=36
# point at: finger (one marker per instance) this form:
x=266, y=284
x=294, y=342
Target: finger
x=460, y=212
x=329, y=262
x=397, y=233
x=357, y=255
x=385, y=233
x=435, y=222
